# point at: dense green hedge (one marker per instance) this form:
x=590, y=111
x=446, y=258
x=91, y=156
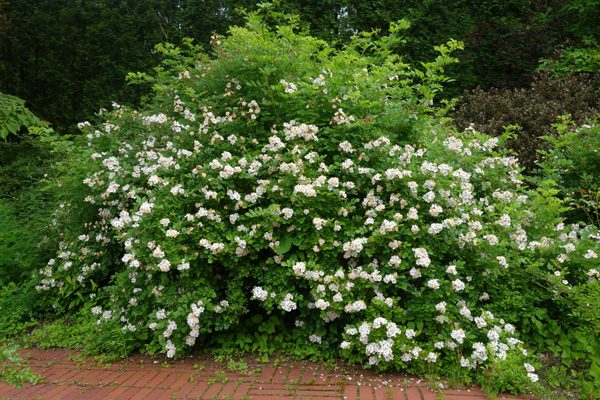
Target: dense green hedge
x=68, y=59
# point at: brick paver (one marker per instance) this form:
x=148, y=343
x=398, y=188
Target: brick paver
x=69, y=376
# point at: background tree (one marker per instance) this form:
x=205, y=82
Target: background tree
x=69, y=58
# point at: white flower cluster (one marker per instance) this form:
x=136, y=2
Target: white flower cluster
x=330, y=231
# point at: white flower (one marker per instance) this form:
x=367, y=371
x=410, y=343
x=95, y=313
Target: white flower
x=435, y=210
x=161, y=314
x=321, y=304
x=502, y=261
x=165, y=221
x=259, y=294
x=183, y=266
x=458, y=285
x=164, y=265
x=415, y=273
x=410, y=333
x=529, y=367
x=458, y=335
x=353, y=248
x=433, y=284
x=299, y=268
x=480, y=322
x=340, y=118
x=413, y=214
x=590, y=254
x=441, y=307
x=287, y=213
x=314, y=338
x=394, y=261
x=422, y=258
x=287, y=304
x=146, y=208
x=504, y=221
x=491, y=239
x=346, y=147
x=434, y=229
x=97, y=310
x=289, y=87
x=319, y=223
x=306, y=190
x=533, y=377
x=387, y=226
x=172, y=233
x=429, y=196
x=357, y=306
x=158, y=253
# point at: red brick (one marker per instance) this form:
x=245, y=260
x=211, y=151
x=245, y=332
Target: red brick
x=271, y=397
x=157, y=393
x=269, y=386
x=110, y=378
x=134, y=378
x=397, y=393
x=37, y=390
x=321, y=378
x=308, y=377
x=200, y=390
x=70, y=374
x=314, y=393
x=127, y=394
x=186, y=388
x=56, y=374
x=212, y=390
x=295, y=375
x=385, y=393
x=181, y=381
x=167, y=395
x=8, y=391
x=365, y=392
x=280, y=375
x=77, y=393
x=116, y=392
x=242, y=391
x=413, y=393
x=102, y=377
x=58, y=392
x=122, y=377
x=228, y=389
x=147, y=379
x=350, y=392
x=267, y=374
x=100, y=393
x=151, y=381
x=317, y=395
x=427, y=394
x=465, y=392
x=83, y=377
x=159, y=379
x=320, y=397
x=142, y=394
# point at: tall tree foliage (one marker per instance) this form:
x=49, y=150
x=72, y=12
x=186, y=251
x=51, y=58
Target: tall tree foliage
x=69, y=58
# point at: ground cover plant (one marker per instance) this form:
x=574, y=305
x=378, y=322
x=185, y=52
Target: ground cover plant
x=277, y=183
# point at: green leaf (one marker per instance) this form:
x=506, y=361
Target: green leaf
x=285, y=245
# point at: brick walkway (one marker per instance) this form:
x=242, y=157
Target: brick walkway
x=68, y=375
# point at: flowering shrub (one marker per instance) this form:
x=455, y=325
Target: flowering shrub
x=283, y=177
x=573, y=160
